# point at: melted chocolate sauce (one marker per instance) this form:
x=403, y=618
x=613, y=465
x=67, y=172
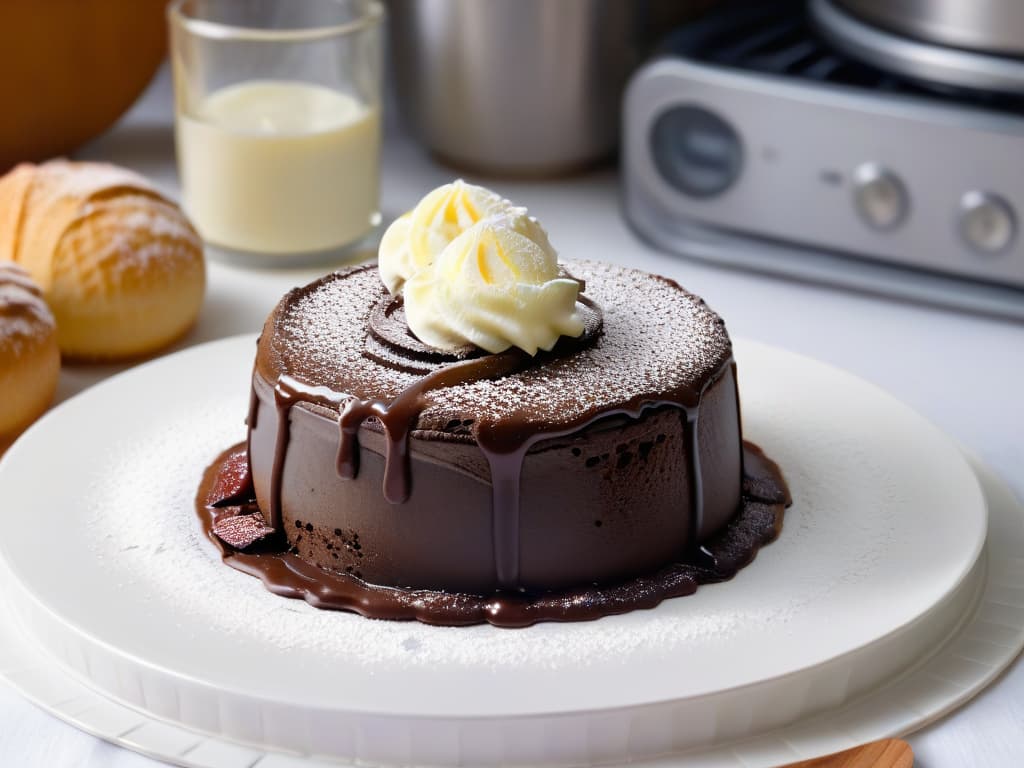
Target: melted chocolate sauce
x=506, y=447
x=757, y=522
x=696, y=480
x=397, y=417
x=504, y=444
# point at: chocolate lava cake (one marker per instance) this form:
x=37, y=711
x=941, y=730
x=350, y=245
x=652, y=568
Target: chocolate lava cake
x=389, y=478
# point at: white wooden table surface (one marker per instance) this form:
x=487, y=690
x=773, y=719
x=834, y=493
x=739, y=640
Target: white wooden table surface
x=965, y=373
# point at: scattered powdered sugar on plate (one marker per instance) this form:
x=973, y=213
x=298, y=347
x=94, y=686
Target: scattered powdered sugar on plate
x=24, y=316
x=143, y=531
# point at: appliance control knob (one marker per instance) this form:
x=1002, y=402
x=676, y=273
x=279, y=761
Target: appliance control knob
x=987, y=223
x=696, y=151
x=880, y=197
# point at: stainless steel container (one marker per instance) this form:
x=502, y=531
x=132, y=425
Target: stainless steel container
x=992, y=26
x=518, y=87
x=976, y=45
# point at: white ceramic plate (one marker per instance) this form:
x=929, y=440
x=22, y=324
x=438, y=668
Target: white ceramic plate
x=985, y=644
x=878, y=563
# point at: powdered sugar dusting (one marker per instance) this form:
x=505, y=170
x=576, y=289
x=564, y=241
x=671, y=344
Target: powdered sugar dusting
x=63, y=179
x=657, y=339
x=103, y=217
x=24, y=316
x=130, y=233
x=161, y=221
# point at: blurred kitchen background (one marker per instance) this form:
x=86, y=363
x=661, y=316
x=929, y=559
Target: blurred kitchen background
x=850, y=142
x=856, y=165
x=844, y=178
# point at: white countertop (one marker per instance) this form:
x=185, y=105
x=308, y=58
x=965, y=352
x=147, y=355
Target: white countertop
x=964, y=373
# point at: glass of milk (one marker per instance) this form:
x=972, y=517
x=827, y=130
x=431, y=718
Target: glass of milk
x=278, y=124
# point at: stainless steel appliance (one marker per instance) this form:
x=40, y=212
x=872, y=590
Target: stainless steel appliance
x=973, y=44
x=521, y=86
x=753, y=140
x=992, y=26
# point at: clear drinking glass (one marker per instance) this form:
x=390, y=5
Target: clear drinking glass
x=278, y=124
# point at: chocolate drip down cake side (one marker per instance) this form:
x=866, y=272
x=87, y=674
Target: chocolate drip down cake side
x=471, y=432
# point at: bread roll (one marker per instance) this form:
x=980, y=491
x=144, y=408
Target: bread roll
x=120, y=265
x=29, y=358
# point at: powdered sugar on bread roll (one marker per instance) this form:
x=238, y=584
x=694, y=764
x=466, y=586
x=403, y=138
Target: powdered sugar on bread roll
x=119, y=264
x=29, y=358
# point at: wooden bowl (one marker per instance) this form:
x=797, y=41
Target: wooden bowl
x=71, y=68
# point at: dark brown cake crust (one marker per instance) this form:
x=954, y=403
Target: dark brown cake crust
x=596, y=505
x=381, y=461
x=600, y=460
x=658, y=342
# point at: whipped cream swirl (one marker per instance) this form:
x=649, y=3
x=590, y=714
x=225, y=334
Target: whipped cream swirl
x=476, y=269
x=415, y=239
